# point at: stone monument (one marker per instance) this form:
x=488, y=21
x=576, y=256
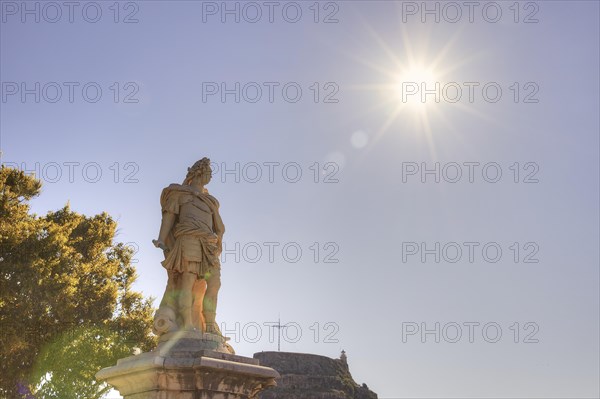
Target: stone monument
x=193, y=359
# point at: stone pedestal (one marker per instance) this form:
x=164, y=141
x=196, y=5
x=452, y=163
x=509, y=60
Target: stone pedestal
x=189, y=365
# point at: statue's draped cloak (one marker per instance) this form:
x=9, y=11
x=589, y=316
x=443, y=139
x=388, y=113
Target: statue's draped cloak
x=193, y=246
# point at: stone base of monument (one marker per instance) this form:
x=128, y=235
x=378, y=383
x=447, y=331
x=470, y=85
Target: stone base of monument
x=189, y=365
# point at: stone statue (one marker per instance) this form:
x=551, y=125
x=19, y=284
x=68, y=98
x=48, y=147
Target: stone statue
x=191, y=236
x=192, y=358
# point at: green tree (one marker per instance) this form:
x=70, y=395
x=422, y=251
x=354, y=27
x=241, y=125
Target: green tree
x=67, y=307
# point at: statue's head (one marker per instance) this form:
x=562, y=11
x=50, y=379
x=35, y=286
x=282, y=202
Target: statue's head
x=200, y=170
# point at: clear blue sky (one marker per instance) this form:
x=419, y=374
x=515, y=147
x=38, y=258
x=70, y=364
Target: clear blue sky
x=367, y=220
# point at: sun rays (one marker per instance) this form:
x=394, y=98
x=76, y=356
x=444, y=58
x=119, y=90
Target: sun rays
x=412, y=77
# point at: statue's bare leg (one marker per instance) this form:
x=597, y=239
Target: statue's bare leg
x=169, y=297
x=186, y=299
x=198, y=318
x=213, y=281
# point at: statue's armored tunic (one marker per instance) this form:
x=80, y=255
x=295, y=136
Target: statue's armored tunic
x=196, y=239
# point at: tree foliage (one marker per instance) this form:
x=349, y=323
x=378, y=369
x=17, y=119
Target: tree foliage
x=67, y=307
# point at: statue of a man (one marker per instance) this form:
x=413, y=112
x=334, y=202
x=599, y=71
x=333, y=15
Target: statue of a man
x=191, y=236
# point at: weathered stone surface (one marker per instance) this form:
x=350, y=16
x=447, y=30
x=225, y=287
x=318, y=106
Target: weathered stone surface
x=185, y=369
x=308, y=376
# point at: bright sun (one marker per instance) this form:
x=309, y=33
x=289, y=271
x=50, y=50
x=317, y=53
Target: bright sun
x=413, y=76
x=411, y=82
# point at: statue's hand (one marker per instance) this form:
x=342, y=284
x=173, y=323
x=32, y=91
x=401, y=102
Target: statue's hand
x=160, y=244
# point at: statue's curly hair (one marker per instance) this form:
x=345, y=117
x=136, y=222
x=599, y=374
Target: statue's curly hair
x=199, y=168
